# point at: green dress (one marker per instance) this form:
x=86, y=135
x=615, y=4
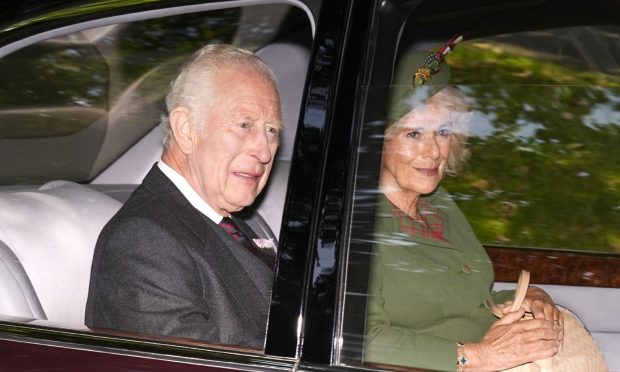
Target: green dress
x=429, y=287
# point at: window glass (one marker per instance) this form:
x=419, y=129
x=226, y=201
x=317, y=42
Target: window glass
x=544, y=140
x=54, y=108
x=72, y=104
x=541, y=128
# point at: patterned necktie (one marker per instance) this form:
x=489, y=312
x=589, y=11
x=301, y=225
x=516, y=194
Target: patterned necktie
x=232, y=229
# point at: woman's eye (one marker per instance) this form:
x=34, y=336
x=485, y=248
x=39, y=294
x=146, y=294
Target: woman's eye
x=243, y=125
x=413, y=134
x=444, y=132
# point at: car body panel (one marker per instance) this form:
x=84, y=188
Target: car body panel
x=305, y=330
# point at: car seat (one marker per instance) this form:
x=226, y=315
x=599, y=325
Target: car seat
x=51, y=233
x=16, y=291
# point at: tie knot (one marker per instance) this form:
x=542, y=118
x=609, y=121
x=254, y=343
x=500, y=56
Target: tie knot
x=230, y=227
x=235, y=232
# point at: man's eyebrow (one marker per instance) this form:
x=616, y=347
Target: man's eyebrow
x=278, y=124
x=237, y=111
x=246, y=115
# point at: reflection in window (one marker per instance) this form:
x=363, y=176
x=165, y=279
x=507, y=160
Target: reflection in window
x=70, y=105
x=543, y=171
x=543, y=135
x=543, y=174
x=428, y=277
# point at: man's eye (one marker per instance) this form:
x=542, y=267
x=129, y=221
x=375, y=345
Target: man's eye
x=243, y=125
x=274, y=132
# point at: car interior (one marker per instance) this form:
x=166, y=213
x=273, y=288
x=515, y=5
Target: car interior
x=48, y=232
x=49, y=226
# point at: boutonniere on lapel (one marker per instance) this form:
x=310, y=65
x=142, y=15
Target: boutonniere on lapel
x=264, y=243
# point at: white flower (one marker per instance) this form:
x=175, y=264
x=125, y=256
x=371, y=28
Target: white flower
x=264, y=243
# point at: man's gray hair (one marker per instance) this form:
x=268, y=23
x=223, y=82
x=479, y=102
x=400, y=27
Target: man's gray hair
x=194, y=86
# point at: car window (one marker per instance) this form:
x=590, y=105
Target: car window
x=544, y=138
x=77, y=104
x=72, y=104
x=541, y=128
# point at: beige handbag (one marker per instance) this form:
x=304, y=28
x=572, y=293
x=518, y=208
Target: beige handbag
x=579, y=353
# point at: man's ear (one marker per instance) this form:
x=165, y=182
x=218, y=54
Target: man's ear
x=182, y=129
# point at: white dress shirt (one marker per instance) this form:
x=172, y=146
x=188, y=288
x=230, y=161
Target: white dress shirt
x=189, y=193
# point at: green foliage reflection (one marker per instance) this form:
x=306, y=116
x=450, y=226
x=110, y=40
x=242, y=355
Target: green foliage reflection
x=545, y=161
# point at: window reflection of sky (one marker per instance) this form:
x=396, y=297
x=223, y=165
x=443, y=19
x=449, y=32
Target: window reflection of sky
x=482, y=124
x=537, y=152
x=527, y=129
x=601, y=114
x=326, y=260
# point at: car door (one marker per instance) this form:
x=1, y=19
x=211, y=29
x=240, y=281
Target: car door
x=538, y=190
x=317, y=314
x=83, y=88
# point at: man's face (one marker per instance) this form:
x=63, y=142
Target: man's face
x=230, y=161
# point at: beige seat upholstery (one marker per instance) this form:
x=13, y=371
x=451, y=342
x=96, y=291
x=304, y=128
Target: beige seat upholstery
x=52, y=232
x=18, y=298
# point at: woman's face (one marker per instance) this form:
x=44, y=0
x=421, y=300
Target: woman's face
x=416, y=151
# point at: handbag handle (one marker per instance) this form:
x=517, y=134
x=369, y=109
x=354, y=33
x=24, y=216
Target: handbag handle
x=580, y=351
x=522, y=285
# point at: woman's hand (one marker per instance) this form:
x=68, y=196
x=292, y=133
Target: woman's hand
x=540, y=304
x=511, y=342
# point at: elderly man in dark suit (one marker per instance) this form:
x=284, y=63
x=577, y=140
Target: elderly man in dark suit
x=162, y=265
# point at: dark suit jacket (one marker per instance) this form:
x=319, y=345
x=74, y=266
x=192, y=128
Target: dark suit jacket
x=162, y=267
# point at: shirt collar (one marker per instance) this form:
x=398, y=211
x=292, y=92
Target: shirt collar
x=189, y=193
x=391, y=224
x=429, y=224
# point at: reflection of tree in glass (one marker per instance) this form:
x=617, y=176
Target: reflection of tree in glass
x=75, y=72
x=40, y=80
x=142, y=46
x=544, y=169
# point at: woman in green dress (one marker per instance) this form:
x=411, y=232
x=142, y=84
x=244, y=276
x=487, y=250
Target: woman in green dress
x=430, y=278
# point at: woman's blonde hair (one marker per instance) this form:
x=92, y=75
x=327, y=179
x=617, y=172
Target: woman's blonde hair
x=456, y=102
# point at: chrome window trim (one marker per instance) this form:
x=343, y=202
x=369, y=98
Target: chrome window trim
x=142, y=16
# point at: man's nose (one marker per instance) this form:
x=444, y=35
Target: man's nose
x=260, y=148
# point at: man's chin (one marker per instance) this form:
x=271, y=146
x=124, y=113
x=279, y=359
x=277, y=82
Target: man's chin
x=237, y=204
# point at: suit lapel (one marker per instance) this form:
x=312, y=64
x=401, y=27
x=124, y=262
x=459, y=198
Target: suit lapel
x=254, y=267
x=250, y=287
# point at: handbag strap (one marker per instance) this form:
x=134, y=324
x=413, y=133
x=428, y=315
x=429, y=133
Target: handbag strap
x=522, y=285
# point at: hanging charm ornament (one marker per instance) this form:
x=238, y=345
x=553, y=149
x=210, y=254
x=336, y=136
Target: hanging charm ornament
x=432, y=63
